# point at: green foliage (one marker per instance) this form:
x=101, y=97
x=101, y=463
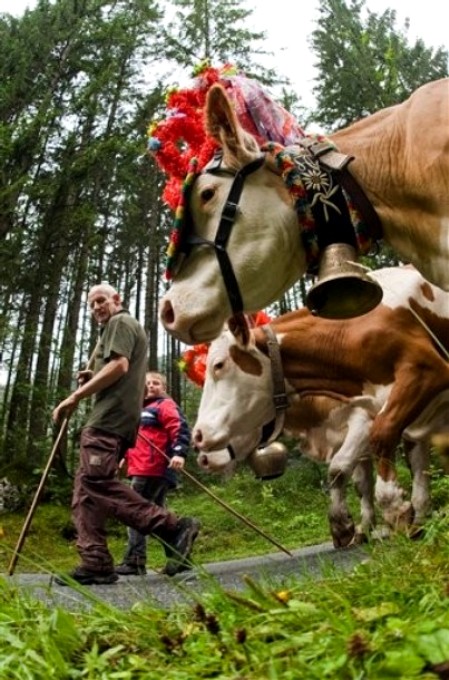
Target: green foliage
x=292, y=509
x=214, y=31
x=366, y=63
x=387, y=618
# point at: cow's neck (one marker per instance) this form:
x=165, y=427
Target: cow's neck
x=326, y=213
x=316, y=359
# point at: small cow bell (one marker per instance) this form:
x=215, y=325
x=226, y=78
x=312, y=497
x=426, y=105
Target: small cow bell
x=269, y=462
x=344, y=289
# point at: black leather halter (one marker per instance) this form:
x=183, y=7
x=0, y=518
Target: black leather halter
x=227, y=220
x=272, y=430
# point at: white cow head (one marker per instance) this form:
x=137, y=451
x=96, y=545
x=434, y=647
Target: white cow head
x=237, y=396
x=264, y=246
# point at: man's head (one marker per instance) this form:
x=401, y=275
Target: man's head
x=155, y=385
x=104, y=302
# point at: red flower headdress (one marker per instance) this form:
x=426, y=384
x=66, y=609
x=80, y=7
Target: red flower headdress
x=181, y=136
x=193, y=360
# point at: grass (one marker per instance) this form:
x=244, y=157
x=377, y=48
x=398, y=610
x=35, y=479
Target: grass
x=292, y=509
x=387, y=618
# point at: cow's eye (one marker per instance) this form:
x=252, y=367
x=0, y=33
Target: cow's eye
x=218, y=369
x=207, y=195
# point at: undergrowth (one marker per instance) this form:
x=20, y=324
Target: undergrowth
x=386, y=618
x=291, y=509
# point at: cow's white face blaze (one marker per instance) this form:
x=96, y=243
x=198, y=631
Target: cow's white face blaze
x=237, y=396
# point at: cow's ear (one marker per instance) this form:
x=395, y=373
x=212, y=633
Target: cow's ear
x=238, y=325
x=239, y=147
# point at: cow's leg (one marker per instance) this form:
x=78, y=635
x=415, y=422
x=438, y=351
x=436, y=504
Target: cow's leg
x=418, y=459
x=397, y=512
x=414, y=388
x=341, y=469
x=364, y=485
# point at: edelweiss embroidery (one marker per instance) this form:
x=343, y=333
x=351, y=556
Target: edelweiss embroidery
x=320, y=182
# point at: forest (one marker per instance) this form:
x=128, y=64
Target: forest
x=81, y=199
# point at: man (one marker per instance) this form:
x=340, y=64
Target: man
x=117, y=382
x=161, y=448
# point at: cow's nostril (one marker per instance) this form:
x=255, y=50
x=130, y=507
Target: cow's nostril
x=203, y=461
x=167, y=313
x=197, y=437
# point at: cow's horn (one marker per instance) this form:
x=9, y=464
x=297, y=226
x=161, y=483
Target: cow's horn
x=344, y=289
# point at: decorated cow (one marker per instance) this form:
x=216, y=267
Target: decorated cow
x=353, y=388
x=253, y=217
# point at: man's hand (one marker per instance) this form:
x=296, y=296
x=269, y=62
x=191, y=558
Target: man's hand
x=82, y=377
x=65, y=407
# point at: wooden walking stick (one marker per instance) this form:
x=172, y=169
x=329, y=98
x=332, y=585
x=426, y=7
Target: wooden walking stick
x=218, y=500
x=37, y=495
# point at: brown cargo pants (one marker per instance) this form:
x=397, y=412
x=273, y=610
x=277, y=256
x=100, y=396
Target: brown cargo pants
x=99, y=495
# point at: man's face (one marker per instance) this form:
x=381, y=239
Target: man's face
x=154, y=386
x=103, y=306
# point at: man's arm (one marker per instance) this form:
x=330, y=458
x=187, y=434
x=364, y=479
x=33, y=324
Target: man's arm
x=107, y=376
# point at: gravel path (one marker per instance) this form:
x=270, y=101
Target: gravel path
x=163, y=591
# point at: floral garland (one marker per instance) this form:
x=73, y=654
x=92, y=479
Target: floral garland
x=193, y=360
x=180, y=136
x=174, y=244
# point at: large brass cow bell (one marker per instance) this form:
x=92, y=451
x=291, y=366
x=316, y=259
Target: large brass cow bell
x=344, y=289
x=269, y=462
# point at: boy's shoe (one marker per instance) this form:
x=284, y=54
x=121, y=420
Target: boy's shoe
x=172, y=567
x=180, y=546
x=85, y=577
x=130, y=569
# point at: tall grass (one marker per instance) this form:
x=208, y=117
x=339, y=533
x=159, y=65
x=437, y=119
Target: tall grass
x=388, y=618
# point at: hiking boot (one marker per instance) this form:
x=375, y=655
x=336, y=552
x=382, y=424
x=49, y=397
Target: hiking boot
x=180, y=546
x=130, y=569
x=172, y=567
x=86, y=577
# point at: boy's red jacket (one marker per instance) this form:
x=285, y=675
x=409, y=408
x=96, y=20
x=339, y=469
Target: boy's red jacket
x=162, y=425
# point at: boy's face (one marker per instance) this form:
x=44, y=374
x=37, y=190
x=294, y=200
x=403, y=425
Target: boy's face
x=154, y=386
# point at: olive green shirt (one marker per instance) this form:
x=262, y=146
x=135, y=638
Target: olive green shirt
x=117, y=408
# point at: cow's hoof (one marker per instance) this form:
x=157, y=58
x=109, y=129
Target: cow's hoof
x=400, y=518
x=416, y=532
x=381, y=533
x=343, y=536
x=360, y=537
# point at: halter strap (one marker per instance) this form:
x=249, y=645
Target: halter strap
x=280, y=399
x=227, y=220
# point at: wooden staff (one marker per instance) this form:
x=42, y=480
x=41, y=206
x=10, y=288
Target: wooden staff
x=37, y=495
x=218, y=500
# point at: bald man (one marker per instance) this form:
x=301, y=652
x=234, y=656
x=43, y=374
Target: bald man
x=118, y=383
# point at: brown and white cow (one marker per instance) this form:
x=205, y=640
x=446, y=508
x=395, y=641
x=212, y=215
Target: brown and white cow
x=335, y=431
x=402, y=163
x=385, y=368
